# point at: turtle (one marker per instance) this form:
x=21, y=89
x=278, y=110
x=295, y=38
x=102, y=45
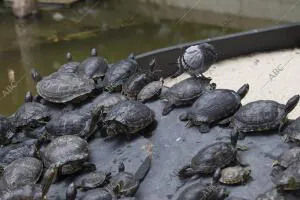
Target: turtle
x=31, y=115
x=285, y=160
x=124, y=184
x=31, y=191
x=71, y=66
x=212, y=157
x=92, y=180
x=74, y=123
x=213, y=107
x=69, y=152
x=271, y=194
x=185, y=92
x=150, y=91
x=64, y=87
x=118, y=73
x=289, y=179
x=10, y=153
x=137, y=81
x=196, y=59
x=7, y=130
x=93, y=67
x=235, y=175
x=127, y=117
x=23, y=171
x=292, y=131
x=262, y=115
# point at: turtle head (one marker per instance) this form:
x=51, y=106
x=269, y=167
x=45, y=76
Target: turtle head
x=71, y=192
x=28, y=97
x=242, y=92
x=49, y=177
x=152, y=64
x=35, y=75
x=131, y=56
x=291, y=104
x=209, y=52
x=69, y=56
x=94, y=52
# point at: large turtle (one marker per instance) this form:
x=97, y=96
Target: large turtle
x=93, y=67
x=6, y=130
x=185, y=92
x=263, y=115
x=119, y=73
x=210, y=158
x=70, y=66
x=196, y=59
x=214, y=106
x=64, y=87
x=127, y=117
x=70, y=153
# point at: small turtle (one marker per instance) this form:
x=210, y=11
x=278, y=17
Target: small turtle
x=92, y=180
x=127, y=117
x=6, y=130
x=64, y=87
x=31, y=115
x=289, y=179
x=150, y=91
x=31, y=191
x=137, y=81
x=186, y=92
x=235, y=175
x=70, y=153
x=285, y=160
x=212, y=157
x=23, y=171
x=272, y=194
x=74, y=123
x=119, y=73
x=93, y=67
x=263, y=115
x=214, y=106
x=70, y=66
x=196, y=59
x=124, y=184
x=292, y=131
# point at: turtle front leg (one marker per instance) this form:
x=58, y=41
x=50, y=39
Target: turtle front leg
x=186, y=172
x=71, y=192
x=281, y=126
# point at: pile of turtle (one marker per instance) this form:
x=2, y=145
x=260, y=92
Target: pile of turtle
x=48, y=139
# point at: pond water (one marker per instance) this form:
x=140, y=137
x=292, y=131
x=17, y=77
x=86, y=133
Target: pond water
x=113, y=29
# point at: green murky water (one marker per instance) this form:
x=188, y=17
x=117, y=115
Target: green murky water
x=114, y=31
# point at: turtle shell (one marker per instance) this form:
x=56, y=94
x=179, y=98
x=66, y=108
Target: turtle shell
x=91, y=180
x=30, y=114
x=212, y=157
x=119, y=73
x=292, y=131
x=289, y=179
x=258, y=116
x=98, y=194
x=234, y=175
x=69, y=67
x=132, y=114
x=64, y=87
x=186, y=91
x=214, y=106
x=69, y=151
x=150, y=91
x=22, y=171
x=93, y=67
x=6, y=130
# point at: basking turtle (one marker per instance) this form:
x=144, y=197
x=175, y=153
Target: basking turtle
x=23, y=171
x=74, y=123
x=263, y=115
x=92, y=180
x=235, y=175
x=196, y=59
x=119, y=73
x=150, y=91
x=93, y=67
x=185, y=92
x=31, y=191
x=292, y=132
x=64, y=87
x=31, y=115
x=70, y=153
x=272, y=194
x=6, y=130
x=70, y=66
x=210, y=158
x=213, y=107
x=124, y=184
x=137, y=81
x=127, y=117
